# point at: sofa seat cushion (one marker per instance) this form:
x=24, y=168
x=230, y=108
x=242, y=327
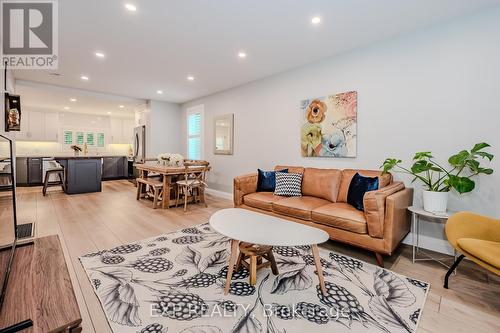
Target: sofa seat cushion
x=299, y=207
x=484, y=250
x=342, y=216
x=261, y=200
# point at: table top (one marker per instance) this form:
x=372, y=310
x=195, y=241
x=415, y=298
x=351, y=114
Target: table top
x=166, y=169
x=256, y=228
x=420, y=211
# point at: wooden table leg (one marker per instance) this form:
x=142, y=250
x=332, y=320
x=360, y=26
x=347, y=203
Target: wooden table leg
x=319, y=269
x=166, y=192
x=253, y=270
x=270, y=258
x=232, y=262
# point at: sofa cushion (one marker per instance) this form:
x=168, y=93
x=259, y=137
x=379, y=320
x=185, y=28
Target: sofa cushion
x=299, y=207
x=342, y=216
x=357, y=189
x=347, y=174
x=261, y=200
x=291, y=169
x=288, y=184
x=266, y=182
x=484, y=250
x=321, y=183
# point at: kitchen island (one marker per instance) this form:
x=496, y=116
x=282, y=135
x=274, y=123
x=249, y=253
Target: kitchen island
x=83, y=173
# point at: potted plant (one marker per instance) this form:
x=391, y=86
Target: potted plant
x=438, y=180
x=76, y=149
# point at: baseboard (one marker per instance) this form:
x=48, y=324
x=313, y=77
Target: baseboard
x=220, y=194
x=431, y=243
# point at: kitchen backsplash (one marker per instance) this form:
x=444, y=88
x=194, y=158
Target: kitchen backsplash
x=28, y=148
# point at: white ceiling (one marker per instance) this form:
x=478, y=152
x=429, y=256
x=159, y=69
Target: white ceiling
x=53, y=98
x=163, y=42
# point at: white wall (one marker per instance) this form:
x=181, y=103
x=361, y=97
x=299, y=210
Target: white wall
x=437, y=89
x=164, y=133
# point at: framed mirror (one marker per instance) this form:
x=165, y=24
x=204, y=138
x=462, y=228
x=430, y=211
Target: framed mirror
x=223, y=134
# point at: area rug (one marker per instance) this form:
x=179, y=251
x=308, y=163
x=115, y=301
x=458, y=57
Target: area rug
x=174, y=283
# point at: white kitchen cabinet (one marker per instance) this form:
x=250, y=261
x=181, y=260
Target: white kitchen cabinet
x=51, y=126
x=128, y=130
x=115, y=130
x=38, y=126
x=122, y=131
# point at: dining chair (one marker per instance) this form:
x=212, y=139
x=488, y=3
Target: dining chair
x=193, y=185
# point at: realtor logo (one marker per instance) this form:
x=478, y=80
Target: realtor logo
x=29, y=34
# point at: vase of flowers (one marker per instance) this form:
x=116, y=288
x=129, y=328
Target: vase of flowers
x=169, y=159
x=439, y=180
x=76, y=150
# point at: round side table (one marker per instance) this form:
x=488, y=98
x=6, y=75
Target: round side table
x=418, y=212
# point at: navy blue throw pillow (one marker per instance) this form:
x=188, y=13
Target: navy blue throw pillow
x=357, y=189
x=267, y=180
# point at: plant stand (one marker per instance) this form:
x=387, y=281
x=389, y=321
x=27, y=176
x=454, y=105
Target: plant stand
x=415, y=231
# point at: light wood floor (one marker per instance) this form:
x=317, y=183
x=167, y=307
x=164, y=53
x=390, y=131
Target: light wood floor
x=90, y=222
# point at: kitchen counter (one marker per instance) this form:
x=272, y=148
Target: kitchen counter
x=83, y=173
x=66, y=157
x=83, y=157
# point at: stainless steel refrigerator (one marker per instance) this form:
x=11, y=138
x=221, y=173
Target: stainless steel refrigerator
x=140, y=144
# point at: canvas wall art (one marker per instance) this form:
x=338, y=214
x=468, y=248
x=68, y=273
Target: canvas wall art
x=329, y=127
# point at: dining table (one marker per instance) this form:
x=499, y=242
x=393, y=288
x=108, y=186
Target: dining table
x=168, y=173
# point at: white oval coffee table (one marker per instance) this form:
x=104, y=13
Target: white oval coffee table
x=242, y=225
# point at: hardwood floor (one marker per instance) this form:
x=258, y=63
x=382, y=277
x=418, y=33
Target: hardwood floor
x=91, y=222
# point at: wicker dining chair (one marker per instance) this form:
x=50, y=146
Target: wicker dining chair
x=193, y=185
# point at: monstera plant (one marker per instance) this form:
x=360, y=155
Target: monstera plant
x=463, y=167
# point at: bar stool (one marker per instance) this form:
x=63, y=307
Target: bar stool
x=55, y=169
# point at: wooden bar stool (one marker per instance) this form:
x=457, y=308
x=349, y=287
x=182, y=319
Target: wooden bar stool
x=256, y=254
x=59, y=171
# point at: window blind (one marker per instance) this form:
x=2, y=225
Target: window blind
x=194, y=136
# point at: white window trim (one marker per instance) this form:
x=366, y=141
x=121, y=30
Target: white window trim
x=193, y=110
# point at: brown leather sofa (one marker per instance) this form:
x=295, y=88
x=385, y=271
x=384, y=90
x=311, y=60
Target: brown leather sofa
x=380, y=228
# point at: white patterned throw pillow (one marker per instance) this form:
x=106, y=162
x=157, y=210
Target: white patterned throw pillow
x=288, y=184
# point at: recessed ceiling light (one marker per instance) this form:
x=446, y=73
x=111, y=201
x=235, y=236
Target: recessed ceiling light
x=72, y=99
x=242, y=54
x=316, y=20
x=190, y=78
x=130, y=7
x=100, y=54
x=66, y=108
x=159, y=92
x=109, y=112
x=121, y=106
x=84, y=78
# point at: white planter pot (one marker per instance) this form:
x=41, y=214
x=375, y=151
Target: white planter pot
x=435, y=202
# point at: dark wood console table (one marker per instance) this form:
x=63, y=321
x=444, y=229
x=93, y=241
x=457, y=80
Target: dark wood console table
x=40, y=289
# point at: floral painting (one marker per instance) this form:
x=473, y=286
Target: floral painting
x=329, y=128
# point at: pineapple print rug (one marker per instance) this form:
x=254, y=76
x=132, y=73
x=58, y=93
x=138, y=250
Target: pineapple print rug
x=174, y=283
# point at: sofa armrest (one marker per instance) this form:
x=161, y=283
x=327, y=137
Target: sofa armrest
x=397, y=218
x=244, y=185
x=374, y=203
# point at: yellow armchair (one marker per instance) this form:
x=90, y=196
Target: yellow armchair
x=475, y=237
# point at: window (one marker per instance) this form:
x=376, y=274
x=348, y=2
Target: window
x=195, y=132
x=68, y=137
